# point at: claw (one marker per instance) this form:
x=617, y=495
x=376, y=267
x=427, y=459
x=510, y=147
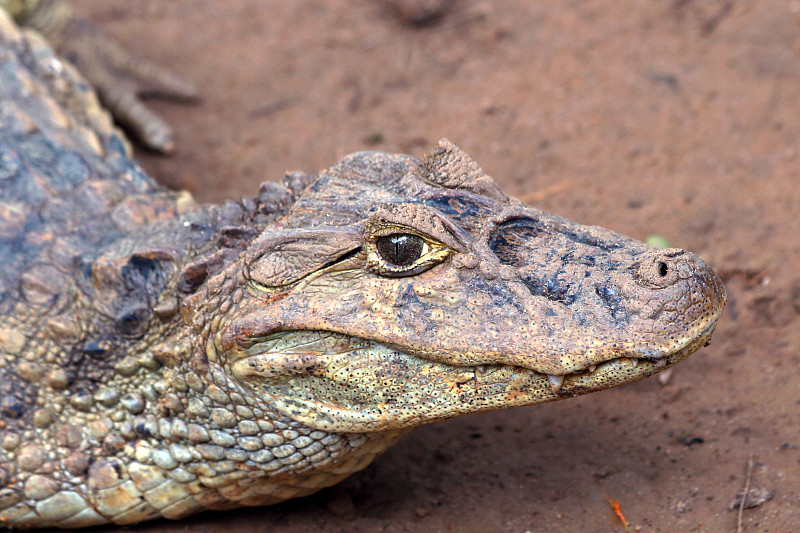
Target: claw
x=121, y=80
x=138, y=119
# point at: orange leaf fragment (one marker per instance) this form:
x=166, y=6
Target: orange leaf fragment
x=618, y=511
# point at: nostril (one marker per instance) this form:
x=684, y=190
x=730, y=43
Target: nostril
x=659, y=269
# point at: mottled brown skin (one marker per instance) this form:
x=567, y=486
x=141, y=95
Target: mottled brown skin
x=158, y=358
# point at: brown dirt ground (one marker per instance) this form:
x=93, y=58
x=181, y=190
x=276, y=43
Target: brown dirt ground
x=675, y=117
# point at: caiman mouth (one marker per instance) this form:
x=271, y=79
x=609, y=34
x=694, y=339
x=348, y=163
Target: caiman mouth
x=606, y=374
x=335, y=382
x=620, y=370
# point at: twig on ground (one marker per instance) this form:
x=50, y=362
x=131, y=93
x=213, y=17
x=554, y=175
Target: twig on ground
x=538, y=196
x=744, y=493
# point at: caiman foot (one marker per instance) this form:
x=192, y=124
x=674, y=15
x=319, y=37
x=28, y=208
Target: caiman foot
x=121, y=80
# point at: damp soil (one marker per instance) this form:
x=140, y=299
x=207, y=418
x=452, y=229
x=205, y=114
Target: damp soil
x=677, y=118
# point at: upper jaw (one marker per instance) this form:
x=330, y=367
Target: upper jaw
x=511, y=326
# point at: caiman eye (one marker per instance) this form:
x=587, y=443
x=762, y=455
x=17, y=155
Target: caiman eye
x=396, y=252
x=401, y=249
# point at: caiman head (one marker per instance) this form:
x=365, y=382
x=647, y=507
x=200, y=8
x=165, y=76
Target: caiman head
x=398, y=292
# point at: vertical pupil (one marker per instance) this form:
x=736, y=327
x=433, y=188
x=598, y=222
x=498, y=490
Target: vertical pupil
x=400, y=249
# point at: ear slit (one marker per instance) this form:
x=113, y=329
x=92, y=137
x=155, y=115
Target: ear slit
x=340, y=259
x=344, y=257
x=282, y=259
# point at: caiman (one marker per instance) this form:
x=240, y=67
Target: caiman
x=159, y=358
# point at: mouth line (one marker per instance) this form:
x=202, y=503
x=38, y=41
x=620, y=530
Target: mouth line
x=643, y=365
x=557, y=383
x=636, y=367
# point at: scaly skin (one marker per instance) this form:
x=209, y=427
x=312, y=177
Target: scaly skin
x=158, y=358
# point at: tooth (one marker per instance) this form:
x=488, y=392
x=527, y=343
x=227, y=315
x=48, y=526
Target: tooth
x=592, y=368
x=480, y=368
x=635, y=362
x=555, y=382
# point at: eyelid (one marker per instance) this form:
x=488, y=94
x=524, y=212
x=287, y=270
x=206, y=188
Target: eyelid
x=375, y=233
x=433, y=225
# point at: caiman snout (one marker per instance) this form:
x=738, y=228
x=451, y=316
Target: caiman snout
x=684, y=297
